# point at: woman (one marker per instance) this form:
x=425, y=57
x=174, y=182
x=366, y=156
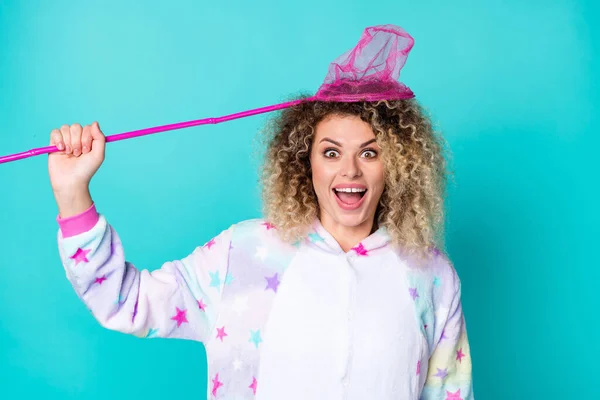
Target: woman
x=339, y=293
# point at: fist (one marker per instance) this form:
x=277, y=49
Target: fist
x=81, y=152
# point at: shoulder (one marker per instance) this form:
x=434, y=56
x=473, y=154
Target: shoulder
x=435, y=275
x=257, y=242
x=256, y=231
x=252, y=225
x=442, y=267
x=251, y=229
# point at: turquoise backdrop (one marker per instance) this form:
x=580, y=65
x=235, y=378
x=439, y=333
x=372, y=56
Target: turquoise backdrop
x=512, y=84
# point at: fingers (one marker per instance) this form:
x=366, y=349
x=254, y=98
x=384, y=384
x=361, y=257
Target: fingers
x=76, y=132
x=56, y=139
x=77, y=140
x=86, y=139
x=65, y=131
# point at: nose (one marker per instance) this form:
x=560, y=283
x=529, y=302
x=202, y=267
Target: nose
x=350, y=168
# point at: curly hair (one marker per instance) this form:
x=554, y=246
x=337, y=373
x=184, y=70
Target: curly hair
x=411, y=207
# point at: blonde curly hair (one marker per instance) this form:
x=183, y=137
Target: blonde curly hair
x=411, y=206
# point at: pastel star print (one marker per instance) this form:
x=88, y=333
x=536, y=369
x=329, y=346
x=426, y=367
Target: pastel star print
x=237, y=364
x=453, y=396
x=315, y=237
x=100, y=280
x=360, y=250
x=418, y=367
x=80, y=256
x=436, y=281
x=413, y=293
x=210, y=244
x=135, y=310
x=216, y=385
x=201, y=305
x=268, y=225
x=240, y=304
x=443, y=335
x=460, y=355
x=151, y=332
x=228, y=279
x=180, y=317
x=255, y=337
x=221, y=333
x=441, y=373
x=215, y=281
x=253, y=385
x=261, y=252
x=272, y=283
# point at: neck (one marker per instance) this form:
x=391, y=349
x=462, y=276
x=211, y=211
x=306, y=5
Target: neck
x=347, y=236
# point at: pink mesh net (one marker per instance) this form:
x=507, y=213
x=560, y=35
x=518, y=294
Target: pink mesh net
x=370, y=71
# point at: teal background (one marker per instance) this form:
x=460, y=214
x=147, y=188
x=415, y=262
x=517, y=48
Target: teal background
x=512, y=84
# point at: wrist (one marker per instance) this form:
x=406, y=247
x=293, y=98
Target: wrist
x=72, y=201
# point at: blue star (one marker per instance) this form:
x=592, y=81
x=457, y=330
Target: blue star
x=228, y=279
x=215, y=281
x=255, y=337
x=436, y=281
x=314, y=237
x=151, y=332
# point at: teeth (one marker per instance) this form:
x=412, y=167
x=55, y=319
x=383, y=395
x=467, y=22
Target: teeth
x=350, y=190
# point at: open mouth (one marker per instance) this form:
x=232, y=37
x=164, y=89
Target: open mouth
x=350, y=196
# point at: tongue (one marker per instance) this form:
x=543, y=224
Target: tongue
x=349, y=198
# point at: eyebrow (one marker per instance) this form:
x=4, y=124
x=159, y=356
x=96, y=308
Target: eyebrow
x=339, y=144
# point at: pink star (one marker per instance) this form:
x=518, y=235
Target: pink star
x=418, y=367
x=80, y=256
x=216, y=385
x=253, y=386
x=201, y=305
x=269, y=225
x=360, y=250
x=425, y=326
x=221, y=333
x=101, y=279
x=180, y=317
x=460, y=355
x=453, y=396
x=210, y=243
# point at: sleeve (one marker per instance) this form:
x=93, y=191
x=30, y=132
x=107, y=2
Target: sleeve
x=449, y=376
x=180, y=300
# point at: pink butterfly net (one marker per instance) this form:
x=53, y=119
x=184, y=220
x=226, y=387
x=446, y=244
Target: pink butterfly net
x=370, y=71
x=367, y=72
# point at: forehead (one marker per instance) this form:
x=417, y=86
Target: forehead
x=348, y=129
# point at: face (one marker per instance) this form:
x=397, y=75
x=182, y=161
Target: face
x=347, y=171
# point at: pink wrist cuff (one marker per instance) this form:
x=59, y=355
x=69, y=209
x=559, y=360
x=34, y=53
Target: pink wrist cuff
x=79, y=223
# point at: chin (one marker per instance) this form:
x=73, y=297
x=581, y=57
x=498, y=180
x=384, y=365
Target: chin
x=349, y=220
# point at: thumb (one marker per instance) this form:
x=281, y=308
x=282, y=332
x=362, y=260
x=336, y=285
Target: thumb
x=98, y=139
x=96, y=132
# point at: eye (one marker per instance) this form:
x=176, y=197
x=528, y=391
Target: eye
x=331, y=153
x=369, y=153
